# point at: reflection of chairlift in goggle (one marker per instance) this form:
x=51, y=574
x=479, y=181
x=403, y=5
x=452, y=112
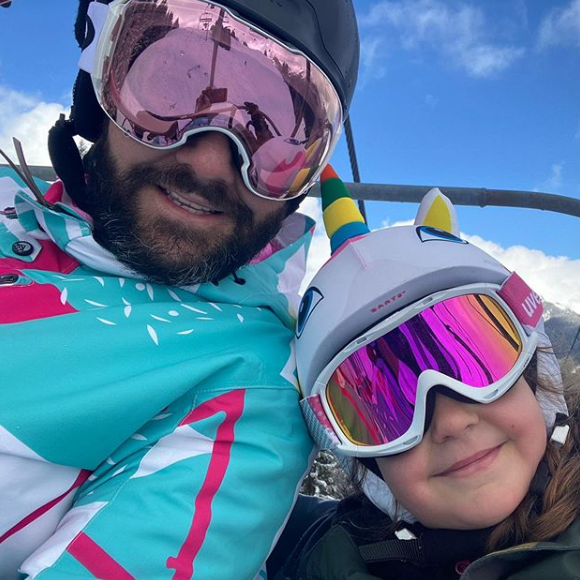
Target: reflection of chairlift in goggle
x=221, y=35
x=147, y=123
x=220, y=106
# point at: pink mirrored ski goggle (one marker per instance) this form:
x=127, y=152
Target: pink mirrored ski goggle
x=168, y=69
x=371, y=399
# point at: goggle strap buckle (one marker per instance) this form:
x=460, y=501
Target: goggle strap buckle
x=318, y=423
x=96, y=17
x=560, y=434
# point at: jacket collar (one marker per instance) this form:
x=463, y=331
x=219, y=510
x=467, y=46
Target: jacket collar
x=272, y=280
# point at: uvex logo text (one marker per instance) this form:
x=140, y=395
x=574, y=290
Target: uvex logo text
x=388, y=301
x=531, y=303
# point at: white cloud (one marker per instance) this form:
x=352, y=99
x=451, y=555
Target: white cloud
x=320, y=247
x=387, y=223
x=458, y=33
x=29, y=120
x=561, y=26
x=555, y=278
x=371, y=58
x=431, y=101
x=554, y=182
x=486, y=60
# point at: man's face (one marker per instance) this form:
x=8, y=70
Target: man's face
x=178, y=217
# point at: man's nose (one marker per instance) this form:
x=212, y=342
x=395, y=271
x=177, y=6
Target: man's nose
x=209, y=154
x=451, y=418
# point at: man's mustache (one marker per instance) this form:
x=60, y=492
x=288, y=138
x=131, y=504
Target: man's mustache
x=183, y=179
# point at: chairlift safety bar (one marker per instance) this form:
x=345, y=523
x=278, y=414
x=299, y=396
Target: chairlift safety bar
x=474, y=196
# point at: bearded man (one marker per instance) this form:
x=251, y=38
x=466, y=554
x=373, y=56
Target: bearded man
x=149, y=425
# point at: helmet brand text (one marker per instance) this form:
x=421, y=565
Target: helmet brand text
x=531, y=303
x=388, y=301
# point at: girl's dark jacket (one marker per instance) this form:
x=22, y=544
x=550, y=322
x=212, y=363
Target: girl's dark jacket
x=342, y=545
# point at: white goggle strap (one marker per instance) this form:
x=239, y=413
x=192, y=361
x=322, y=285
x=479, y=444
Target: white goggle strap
x=318, y=424
x=528, y=309
x=523, y=301
x=96, y=17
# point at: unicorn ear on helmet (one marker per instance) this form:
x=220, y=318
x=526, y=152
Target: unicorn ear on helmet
x=342, y=219
x=437, y=211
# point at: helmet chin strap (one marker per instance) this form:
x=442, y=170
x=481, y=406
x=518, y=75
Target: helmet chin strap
x=66, y=159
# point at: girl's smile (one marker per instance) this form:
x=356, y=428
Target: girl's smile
x=475, y=463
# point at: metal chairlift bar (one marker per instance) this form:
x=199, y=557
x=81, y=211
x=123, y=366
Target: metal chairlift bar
x=475, y=196
x=354, y=162
x=44, y=172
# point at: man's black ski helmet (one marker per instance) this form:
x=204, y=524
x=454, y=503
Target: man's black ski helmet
x=325, y=30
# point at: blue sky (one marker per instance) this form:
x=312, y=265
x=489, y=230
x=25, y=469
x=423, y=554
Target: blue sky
x=474, y=94
x=451, y=92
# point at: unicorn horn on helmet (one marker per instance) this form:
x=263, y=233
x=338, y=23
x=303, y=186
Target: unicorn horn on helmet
x=342, y=219
x=344, y=222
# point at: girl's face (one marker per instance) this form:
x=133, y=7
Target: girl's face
x=474, y=464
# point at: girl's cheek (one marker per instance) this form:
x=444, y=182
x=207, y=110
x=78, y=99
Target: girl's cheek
x=404, y=470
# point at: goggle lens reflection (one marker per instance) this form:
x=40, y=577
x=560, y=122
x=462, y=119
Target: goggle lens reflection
x=176, y=67
x=469, y=338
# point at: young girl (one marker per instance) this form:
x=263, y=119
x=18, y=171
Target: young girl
x=425, y=366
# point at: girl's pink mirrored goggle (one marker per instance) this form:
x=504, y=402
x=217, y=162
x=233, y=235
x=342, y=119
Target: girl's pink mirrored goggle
x=371, y=399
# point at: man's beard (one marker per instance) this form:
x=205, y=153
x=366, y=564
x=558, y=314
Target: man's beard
x=162, y=250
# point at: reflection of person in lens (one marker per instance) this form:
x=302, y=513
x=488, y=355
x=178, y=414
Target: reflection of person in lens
x=258, y=123
x=307, y=104
x=203, y=102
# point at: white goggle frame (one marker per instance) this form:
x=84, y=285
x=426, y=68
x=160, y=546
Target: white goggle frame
x=106, y=16
x=428, y=379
